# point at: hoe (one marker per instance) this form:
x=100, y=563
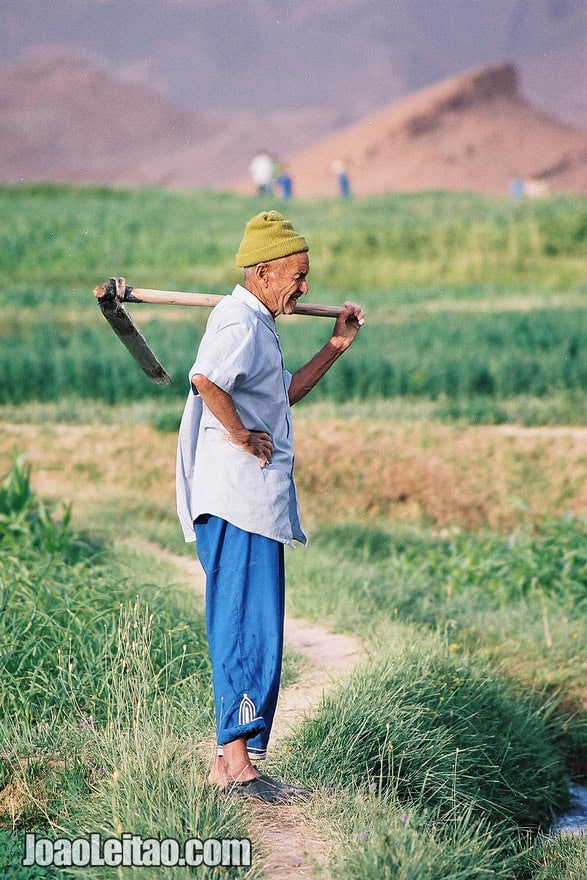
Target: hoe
x=111, y=296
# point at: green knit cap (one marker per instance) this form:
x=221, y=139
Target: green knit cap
x=269, y=236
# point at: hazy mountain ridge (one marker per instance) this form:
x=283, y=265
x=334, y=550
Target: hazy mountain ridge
x=66, y=122
x=344, y=57
x=63, y=121
x=475, y=132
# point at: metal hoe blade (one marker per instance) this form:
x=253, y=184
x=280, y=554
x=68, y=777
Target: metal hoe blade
x=110, y=297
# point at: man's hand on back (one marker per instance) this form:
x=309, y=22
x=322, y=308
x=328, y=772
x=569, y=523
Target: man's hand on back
x=258, y=443
x=221, y=405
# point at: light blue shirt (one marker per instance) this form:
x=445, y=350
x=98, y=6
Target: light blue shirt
x=240, y=353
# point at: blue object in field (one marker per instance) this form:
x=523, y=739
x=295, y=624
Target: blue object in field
x=345, y=187
x=516, y=188
x=284, y=181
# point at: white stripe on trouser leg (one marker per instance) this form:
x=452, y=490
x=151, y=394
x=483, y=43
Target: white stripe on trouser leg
x=247, y=711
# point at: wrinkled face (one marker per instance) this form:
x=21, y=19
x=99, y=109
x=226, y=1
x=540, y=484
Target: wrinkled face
x=285, y=282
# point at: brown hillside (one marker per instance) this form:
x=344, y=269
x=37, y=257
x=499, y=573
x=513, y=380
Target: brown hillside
x=61, y=120
x=340, y=58
x=471, y=132
x=64, y=121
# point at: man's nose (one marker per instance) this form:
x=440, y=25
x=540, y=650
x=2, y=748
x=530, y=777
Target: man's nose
x=303, y=287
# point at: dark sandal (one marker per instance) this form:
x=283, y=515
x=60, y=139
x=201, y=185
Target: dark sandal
x=270, y=791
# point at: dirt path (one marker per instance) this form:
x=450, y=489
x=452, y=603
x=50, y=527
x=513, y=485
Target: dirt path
x=293, y=844
x=545, y=431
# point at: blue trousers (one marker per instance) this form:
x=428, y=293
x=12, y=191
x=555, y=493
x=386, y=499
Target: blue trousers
x=245, y=609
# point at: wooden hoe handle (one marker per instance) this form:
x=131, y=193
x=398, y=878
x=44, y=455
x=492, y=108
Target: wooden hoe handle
x=112, y=294
x=113, y=290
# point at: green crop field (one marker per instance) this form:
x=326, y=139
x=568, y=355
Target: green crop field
x=474, y=302
x=442, y=469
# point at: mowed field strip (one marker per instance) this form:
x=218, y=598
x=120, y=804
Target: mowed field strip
x=422, y=472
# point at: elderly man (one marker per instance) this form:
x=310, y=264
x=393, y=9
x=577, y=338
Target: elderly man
x=236, y=493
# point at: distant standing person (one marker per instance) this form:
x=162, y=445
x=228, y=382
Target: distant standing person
x=261, y=171
x=339, y=170
x=236, y=493
x=284, y=182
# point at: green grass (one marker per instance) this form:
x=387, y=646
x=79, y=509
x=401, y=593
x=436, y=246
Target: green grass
x=106, y=717
x=434, y=730
x=69, y=237
x=481, y=359
x=432, y=765
x=518, y=600
x=63, y=616
x=11, y=855
x=474, y=309
x=565, y=858
x=398, y=843
x=425, y=577
x=108, y=734
x=414, y=845
x=472, y=301
x=476, y=669
x=164, y=412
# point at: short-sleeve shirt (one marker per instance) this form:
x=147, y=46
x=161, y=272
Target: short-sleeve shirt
x=239, y=352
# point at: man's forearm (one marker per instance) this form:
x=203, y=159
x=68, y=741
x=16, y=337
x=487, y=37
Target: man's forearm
x=221, y=405
x=304, y=379
x=347, y=325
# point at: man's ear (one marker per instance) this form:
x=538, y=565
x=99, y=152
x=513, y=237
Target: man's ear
x=262, y=272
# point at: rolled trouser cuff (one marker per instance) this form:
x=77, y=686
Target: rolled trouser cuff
x=253, y=753
x=241, y=731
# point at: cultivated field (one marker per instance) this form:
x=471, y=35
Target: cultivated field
x=442, y=469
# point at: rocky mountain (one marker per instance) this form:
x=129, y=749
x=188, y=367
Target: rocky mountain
x=184, y=92
x=471, y=132
x=64, y=121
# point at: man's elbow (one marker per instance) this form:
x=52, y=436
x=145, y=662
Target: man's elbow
x=208, y=391
x=200, y=383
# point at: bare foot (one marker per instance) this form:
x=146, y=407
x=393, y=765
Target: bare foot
x=242, y=774
x=217, y=775
x=222, y=773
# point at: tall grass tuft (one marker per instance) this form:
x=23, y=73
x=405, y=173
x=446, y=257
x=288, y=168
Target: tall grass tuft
x=518, y=599
x=561, y=858
x=412, y=844
x=435, y=730
x=60, y=605
x=28, y=523
x=106, y=718
x=145, y=765
x=141, y=769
